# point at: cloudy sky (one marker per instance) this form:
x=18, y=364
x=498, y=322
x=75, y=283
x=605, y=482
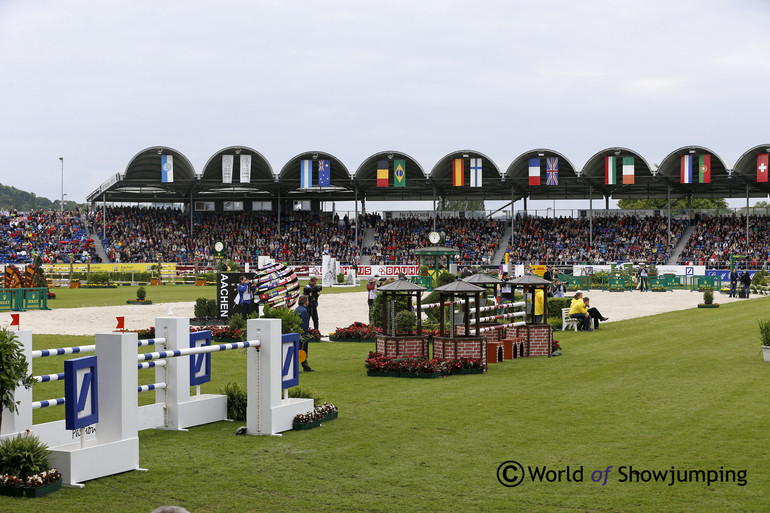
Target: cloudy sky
x=95, y=82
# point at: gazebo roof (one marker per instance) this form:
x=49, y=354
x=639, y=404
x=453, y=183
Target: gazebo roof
x=402, y=286
x=436, y=250
x=529, y=279
x=459, y=286
x=482, y=279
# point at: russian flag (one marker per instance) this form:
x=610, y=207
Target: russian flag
x=534, y=171
x=686, y=169
x=306, y=174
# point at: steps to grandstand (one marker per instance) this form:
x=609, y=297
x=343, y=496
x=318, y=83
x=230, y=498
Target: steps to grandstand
x=677, y=251
x=366, y=259
x=502, y=246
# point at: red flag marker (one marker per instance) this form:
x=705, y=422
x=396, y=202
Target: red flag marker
x=120, y=323
x=15, y=320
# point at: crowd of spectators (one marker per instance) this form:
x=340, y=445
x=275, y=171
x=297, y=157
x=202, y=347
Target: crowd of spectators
x=396, y=239
x=136, y=234
x=53, y=235
x=567, y=241
x=716, y=238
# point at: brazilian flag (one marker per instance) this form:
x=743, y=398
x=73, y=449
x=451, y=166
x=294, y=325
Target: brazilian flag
x=399, y=172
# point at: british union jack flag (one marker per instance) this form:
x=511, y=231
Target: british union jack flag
x=552, y=171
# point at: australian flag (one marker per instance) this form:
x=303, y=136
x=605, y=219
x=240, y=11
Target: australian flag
x=552, y=171
x=324, y=175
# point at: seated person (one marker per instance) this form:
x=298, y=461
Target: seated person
x=594, y=313
x=578, y=310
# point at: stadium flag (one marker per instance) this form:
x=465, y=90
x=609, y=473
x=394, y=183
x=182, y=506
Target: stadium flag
x=399, y=173
x=475, y=172
x=762, y=163
x=324, y=173
x=15, y=320
x=610, y=171
x=167, y=168
x=121, y=323
x=458, y=173
x=227, y=169
x=306, y=174
x=245, y=168
x=534, y=171
x=685, y=172
x=704, y=169
x=628, y=170
x=382, y=173
x=552, y=171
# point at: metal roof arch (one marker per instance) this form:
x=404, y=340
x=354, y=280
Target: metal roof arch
x=491, y=179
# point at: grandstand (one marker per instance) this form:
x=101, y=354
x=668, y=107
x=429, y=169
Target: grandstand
x=238, y=199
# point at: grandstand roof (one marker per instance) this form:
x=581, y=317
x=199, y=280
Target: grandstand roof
x=141, y=179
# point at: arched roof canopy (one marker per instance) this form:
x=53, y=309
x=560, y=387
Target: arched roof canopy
x=262, y=179
x=415, y=182
x=720, y=185
x=142, y=178
x=341, y=184
x=744, y=171
x=517, y=175
x=643, y=184
x=441, y=178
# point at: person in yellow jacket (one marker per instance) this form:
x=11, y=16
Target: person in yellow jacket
x=539, y=306
x=578, y=310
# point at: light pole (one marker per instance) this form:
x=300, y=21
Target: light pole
x=62, y=183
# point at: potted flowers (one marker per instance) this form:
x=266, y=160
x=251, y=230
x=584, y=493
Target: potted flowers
x=141, y=298
x=24, y=467
x=764, y=337
x=314, y=418
x=708, y=299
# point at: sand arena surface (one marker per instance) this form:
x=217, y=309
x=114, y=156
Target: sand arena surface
x=334, y=310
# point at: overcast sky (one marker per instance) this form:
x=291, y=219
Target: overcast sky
x=96, y=82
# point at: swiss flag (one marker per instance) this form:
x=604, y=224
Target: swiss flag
x=762, y=163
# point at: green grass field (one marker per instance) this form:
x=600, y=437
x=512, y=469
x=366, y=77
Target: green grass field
x=686, y=389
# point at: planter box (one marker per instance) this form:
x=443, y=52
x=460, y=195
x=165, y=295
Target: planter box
x=382, y=374
x=459, y=372
x=200, y=283
x=432, y=375
x=137, y=302
x=74, y=285
x=715, y=305
x=301, y=426
x=206, y=322
x=39, y=491
x=333, y=415
x=766, y=353
x=12, y=491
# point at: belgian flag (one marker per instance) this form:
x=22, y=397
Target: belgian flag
x=382, y=173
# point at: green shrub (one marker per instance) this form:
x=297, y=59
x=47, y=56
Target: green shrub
x=23, y=456
x=555, y=304
x=201, y=309
x=98, y=279
x=13, y=371
x=375, y=312
x=236, y=400
x=141, y=293
x=708, y=296
x=341, y=278
x=301, y=392
x=290, y=320
x=444, y=277
x=555, y=321
x=764, y=331
x=237, y=322
x=406, y=321
x=212, y=308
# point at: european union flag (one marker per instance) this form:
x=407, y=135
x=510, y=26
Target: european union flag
x=324, y=173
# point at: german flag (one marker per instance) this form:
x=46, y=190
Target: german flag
x=458, y=173
x=382, y=173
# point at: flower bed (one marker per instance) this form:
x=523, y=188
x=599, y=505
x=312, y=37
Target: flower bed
x=35, y=485
x=419, y=366
x=356, y=332
x=314, y=418
x=314, y=335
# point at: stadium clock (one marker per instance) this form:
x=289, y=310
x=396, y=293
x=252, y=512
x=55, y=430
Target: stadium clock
x=219, y=248
x=434, y=237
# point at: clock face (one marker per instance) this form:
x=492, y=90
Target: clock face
x=218, y=246
x=434, y=237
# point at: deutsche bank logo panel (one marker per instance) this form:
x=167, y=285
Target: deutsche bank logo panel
x=290, y=359
x=81, y=397
x=200, y=364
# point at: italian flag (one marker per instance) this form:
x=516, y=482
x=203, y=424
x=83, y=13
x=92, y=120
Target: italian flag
x=610, y=171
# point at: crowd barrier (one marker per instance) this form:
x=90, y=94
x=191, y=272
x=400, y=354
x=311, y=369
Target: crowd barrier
x=99, y=435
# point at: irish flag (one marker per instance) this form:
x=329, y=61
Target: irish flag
x=628, y=170
x=534, y=171
x=610, y=171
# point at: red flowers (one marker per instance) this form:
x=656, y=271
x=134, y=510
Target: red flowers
x=417, y=364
